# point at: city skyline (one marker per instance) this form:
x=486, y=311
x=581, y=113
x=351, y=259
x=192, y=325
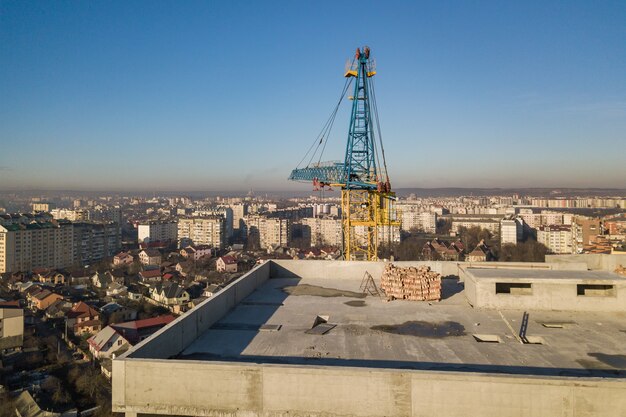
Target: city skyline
x=123, y=96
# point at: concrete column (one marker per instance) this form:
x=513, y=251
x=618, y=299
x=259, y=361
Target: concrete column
x=130, y=414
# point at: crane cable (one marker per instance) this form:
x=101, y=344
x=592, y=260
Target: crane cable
x=322, y=137
x=380, y=136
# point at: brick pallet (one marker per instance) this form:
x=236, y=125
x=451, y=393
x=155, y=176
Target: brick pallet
x=416, y=284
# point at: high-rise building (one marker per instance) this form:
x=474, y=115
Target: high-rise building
x=41, y=206
x=511, y=230
x=224, y=211
x=416, y=220
x=95, y=241
x=239, y=212
x=557, y=238
x=210, y=230
x=268, y=232
x=323, y=231
x=584, y=231
x=157, y=231
x=68, y=214
x=47, y=244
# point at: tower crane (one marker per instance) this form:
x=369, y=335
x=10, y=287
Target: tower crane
x=368, y=210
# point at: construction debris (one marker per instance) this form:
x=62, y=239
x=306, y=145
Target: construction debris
x=416, y=284
x=620, y=270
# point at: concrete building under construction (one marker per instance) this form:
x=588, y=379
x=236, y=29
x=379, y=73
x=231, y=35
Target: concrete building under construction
x=302, y=338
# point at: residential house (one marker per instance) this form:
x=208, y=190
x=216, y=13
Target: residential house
x=83, y=319
x=106, y=342
x=150, y=276
x=184, y=268
x=226, y=264
x=102, y=279
x=482, y=253
x=437, y=249
x=123, y=313
x=116, y=290
x=211, y=290
x=123, y=258
x=150, y=256
x=195, y=252
x=138, y=330
x=51, y=277
x=58, y=309
x=170, y=294
x=41, y=300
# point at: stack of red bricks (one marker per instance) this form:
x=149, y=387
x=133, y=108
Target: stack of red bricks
x=416, y=284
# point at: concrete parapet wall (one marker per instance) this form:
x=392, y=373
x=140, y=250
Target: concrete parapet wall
x=356, y=269
x=176, y=336
x=593, y=261
x=205, y=388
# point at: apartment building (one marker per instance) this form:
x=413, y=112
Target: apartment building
x=584, y=231
x=223, y=211
x=418, y=220
x=268, y=232
x=42, y=206
x=323, y=231
x=511, y=230
x=24, y=247
x=157, y=231
x=490, y=222
x=239, y=212
x=69, y=214
x=95, y=241
x=557, y=238
x=209, y=230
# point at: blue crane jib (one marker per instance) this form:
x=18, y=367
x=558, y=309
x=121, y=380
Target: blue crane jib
x=360, y=168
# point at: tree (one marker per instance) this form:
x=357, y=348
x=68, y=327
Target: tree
x=116, y=317
x=529, y=251
x=471, y=236
x=59, y=395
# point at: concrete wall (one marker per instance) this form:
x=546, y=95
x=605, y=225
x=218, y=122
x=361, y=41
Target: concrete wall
x=179, y=334
x=11, y=327
x=594, y=261
x=547, y=294
x=228, y=389
x=356, y=269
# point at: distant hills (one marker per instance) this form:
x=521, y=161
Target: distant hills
x=307, y=191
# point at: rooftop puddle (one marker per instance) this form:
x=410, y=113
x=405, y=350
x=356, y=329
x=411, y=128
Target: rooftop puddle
x=355, y=303
x=424, y=329
x=314, y=290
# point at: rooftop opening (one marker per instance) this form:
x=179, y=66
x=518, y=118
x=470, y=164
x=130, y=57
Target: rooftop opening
x=487, y=338
x=321, y=326
x=514, y=288
x=595, y=290
x=534, y=340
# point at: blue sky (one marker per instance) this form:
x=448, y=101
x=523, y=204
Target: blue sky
x=229, y=95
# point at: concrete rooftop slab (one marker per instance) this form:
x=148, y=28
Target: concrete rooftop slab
x=371, y=332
